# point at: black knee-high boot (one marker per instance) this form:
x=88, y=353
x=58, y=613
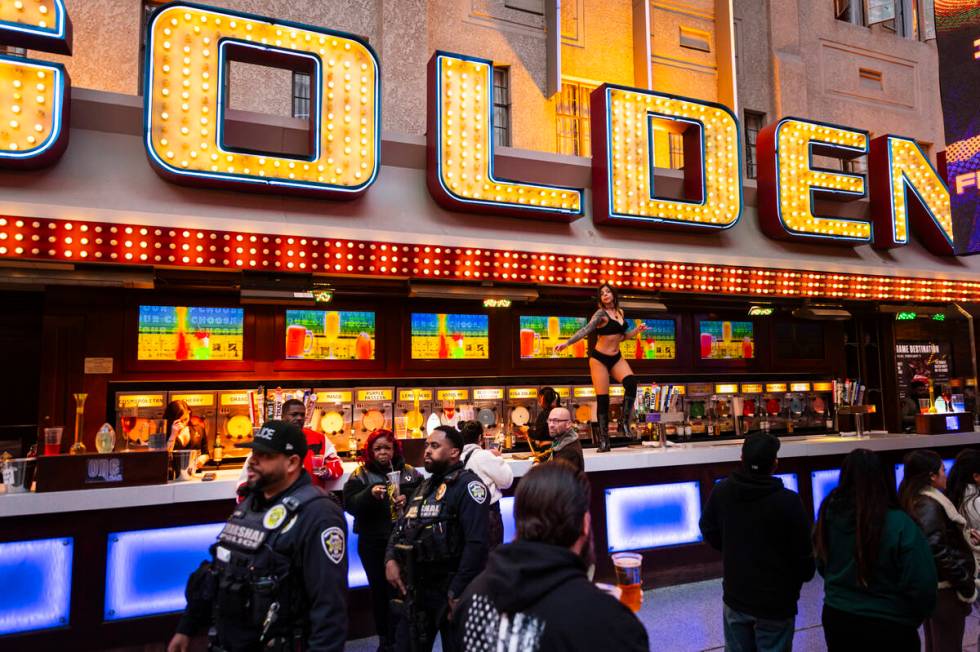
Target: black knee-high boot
x=602, y=416
x=625, y=426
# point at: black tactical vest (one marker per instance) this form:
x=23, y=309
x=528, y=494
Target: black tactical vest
x=432, y=526
x=255, y=588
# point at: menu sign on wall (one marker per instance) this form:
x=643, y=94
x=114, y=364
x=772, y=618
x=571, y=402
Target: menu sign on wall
x=922, y=362
x=958, y=45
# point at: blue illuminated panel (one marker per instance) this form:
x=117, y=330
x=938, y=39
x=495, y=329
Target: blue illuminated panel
x=507, y=514
x=823, y=482
x=900, y=471
x=790, y=481
x=653, y=516
x=35, y=584
x=147, y=570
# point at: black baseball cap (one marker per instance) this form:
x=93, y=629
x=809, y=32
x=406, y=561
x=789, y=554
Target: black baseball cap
x=759, y=452
x=279, y=437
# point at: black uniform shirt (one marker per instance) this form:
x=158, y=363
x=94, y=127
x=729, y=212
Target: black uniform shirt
x=315, y=540
x=460, y=496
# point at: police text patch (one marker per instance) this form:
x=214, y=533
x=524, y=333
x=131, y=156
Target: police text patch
x=477, y=491
x=332, y=540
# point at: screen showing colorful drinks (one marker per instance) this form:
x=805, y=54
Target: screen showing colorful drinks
x=440, y=336
x=190, y=333
x=727, y=340
x=540, y=334
x=657, y=342
x=329, y=335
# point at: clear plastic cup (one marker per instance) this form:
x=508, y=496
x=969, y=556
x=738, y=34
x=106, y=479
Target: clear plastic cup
x=15, y=474
x=52, y=441
x=629, y=578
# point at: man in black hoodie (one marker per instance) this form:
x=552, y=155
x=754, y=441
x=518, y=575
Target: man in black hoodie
x=535, y=595
x=764, y=536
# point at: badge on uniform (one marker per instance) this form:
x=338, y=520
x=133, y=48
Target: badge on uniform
x=273, y=517
x=477, y=491
x=441, y=491
x=332, y=540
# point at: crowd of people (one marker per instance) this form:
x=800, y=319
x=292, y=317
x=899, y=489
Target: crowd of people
x=891, y=562
x=433, y=550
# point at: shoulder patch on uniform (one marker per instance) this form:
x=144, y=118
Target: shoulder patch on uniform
x=332, y=540
x=274, y=517
x=477, y=491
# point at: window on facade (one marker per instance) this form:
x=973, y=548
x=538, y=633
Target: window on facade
x=145, y=12
x=301, y=95
x=13, y=51
x=573, y=119
x=906, y=20
x=753, y=125
x=850, y=11
x=501, y=107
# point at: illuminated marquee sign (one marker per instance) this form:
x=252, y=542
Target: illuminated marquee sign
x=460, y=148
x=186, y=136
x=186, y=97
x=789, y=182
x=623, y=189
x=34, y=94
x=907, y=193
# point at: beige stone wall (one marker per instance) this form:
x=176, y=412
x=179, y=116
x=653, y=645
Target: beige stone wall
x=680, y=70
x=817, y=62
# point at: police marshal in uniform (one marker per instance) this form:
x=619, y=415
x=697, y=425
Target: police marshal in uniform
x=277, y=579
x=439, y=545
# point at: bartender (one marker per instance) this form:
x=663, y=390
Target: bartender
x=186, y=431
x=548, y=399
x=918, y=389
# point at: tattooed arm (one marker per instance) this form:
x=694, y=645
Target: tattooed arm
x=598, y=318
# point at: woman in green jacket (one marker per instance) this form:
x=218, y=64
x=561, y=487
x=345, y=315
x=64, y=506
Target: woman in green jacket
x=879, y=578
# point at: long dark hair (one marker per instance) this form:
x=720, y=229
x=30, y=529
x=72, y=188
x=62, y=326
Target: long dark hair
x=615, y=296
x=920, y=466
x=865, y=494
x=961, y=475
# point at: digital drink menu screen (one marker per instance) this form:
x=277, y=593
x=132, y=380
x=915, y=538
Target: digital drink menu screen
x=440, y=336
x=330, y=335
x=539, y=335
x=177, y=333
x=726, y=340
x=657, y=342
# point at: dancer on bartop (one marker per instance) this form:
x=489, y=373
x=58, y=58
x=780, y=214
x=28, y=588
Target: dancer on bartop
x=605, y=360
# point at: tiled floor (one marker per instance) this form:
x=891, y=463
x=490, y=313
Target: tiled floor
x=687, y=618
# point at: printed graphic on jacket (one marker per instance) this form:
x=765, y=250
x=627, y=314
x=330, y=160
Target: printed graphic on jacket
x=488, y=630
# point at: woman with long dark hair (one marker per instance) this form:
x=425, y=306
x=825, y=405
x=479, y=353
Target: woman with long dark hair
x=368, y=497
x=605, y=361
x=879, y=582
x=921, y=495
x=186, y=432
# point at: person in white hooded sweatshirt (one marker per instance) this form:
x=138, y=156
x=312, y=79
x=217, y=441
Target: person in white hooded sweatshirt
x=492, y=469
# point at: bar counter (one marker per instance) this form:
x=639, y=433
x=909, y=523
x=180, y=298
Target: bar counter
x=113, y=562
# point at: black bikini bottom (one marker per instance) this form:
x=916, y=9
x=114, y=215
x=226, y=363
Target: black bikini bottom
x=608, y=361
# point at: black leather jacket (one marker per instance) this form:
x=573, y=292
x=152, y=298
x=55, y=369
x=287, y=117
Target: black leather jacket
x=954, y=559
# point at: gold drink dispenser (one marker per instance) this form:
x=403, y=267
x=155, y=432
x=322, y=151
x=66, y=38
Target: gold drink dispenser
x=698, y=407
x=204, y=411
x=138, y=415
x=333, y=415
x=582, y=405
x=724, y=406
x=235, y=422
x=616, y=394
x=522, y=410
x=821, y=405
x=775, y=415
x=413, y=412
x=373, y=409
x=488, y=405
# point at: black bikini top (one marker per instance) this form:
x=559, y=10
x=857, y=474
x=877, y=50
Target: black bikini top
x=612, y=327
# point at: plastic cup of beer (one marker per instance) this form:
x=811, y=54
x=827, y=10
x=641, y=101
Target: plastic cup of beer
x=317, y=464
x=629, y=566
x=52, y=441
